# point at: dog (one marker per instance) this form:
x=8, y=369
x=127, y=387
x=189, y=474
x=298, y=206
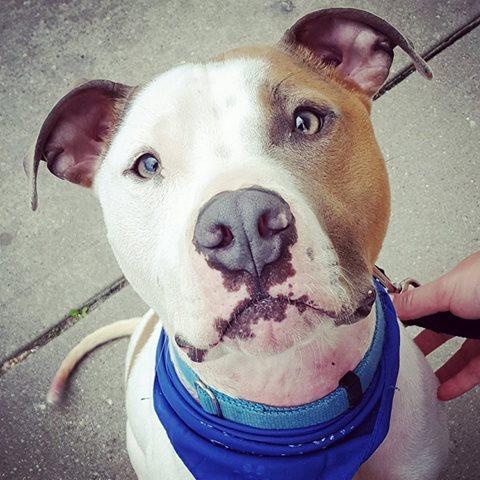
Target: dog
x=246, y=201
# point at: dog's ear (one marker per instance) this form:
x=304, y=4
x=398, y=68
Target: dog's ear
x=76, y=132
x=357, y=43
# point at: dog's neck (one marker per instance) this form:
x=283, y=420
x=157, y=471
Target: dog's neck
x=300, y=375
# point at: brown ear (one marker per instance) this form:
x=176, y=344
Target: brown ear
x=76, y=132
x=359, y=44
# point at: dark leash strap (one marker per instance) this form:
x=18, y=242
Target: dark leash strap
x=442, y=322
x=447, y=322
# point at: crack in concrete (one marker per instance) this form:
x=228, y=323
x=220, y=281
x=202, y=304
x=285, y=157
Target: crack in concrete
x=429, y=54
x=64, y=324
x=68, y=321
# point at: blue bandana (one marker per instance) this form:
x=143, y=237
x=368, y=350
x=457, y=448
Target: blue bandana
x=214, y=448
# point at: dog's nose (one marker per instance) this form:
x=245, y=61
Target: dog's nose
x=244, y=230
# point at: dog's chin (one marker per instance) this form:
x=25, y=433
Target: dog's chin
x=269, y=326
x=269, y=337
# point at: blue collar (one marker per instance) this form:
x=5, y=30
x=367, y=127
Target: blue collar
x=215, y=448
x=348, y=394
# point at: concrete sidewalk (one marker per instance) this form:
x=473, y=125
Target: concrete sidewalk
x=57, y=259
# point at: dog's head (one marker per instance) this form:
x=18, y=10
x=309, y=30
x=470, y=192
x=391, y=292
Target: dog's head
x=245, y=198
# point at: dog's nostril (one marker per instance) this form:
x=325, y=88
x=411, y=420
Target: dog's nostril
x=226, y=236
x=271, y=223
x=218, y=236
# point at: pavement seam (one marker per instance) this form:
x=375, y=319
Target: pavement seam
x=68, y=321
x=429, y=54
x=64, y=324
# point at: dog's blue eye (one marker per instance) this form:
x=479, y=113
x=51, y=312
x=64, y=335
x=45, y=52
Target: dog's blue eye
x=147, y=166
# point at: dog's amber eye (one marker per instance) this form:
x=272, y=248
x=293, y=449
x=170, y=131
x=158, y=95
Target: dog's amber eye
x=308, y=122
x=147, y=166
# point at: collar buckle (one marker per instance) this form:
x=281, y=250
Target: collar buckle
x=207, y=399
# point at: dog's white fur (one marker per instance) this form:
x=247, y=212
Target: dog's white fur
x=206, y=125
x=150, y=230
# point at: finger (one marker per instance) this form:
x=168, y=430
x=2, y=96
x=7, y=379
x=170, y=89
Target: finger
x=460, y=383
x=453, y=366
x=424, y=300
x=427, y=341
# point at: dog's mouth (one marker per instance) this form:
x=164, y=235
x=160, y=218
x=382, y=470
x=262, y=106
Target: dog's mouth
x=251, y=311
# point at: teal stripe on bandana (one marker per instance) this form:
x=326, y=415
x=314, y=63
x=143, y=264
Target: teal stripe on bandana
x=214, y=448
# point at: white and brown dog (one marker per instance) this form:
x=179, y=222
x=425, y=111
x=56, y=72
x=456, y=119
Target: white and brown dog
x=246, y=201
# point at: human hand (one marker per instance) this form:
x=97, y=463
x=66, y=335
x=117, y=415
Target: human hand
x=457, y=291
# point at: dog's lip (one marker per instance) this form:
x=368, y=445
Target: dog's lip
x=197, y=353
x=298, y=302
x=343, y=317
x=364, y=307
x=348, y=318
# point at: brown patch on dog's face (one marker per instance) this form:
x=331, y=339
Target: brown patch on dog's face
x=340, y=169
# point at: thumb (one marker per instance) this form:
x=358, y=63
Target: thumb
x=417, y=302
